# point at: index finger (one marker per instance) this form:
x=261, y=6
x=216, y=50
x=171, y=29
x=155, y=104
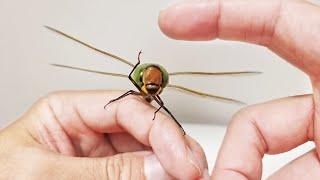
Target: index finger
x=174, y=150
x=288, y=27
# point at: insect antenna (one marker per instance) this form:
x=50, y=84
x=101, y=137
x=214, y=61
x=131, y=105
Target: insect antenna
x=202, y=94
x=89, y=46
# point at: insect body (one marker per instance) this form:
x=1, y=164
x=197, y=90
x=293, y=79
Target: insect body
x=151, y=79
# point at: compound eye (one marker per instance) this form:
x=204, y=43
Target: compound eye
x=141, y=77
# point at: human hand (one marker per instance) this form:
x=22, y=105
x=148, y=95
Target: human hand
x=290, y=28
x=69, y=135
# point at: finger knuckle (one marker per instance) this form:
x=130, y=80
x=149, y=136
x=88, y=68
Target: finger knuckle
x=52, y=97
x=129, y=102
x=59, y=104
x=124, y=166
x=128, y=107
x=243, y=115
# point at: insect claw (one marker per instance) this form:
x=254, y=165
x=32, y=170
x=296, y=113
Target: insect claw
x=107, y=104
x=184, y=133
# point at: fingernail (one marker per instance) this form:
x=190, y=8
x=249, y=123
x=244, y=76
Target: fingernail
x=196, y=157
x=153, y=169
x=195, y=161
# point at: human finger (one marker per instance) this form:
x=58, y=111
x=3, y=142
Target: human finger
x=268, y=128
x=80, y=114
x=46, y=165
x=288, y=27
x=306, y=166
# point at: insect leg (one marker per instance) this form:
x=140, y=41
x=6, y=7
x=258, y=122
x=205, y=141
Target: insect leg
x=131, y=91
x=161, y=106
x=135, y=66
x=160, y=102
x=122, y=96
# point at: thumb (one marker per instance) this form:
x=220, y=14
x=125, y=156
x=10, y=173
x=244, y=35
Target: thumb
x=135, y=165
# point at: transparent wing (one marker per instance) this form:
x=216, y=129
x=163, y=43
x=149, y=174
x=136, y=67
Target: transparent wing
x=176, y=87
x=198, y=93
x=90, y=46
x=91, y=71
x=234, y=73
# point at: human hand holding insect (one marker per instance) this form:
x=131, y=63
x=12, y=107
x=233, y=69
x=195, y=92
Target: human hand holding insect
x=67, y=135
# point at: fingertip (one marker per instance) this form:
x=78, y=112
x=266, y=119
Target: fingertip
x=190, y=20
x=228, y=174
x=198, y=152
x=176, y=151
x=130, y=118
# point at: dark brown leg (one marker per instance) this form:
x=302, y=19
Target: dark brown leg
x=122, y=96
x=161, y=104
x=135, y=84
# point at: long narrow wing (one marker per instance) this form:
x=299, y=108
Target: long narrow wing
x=90, y=46
x=198, y=93
x=91, y=71
x=180, y=88
x=234, y=73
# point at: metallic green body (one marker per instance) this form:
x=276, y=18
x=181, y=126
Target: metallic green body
x=138, y=73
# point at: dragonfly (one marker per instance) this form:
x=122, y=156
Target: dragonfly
x=150, y=79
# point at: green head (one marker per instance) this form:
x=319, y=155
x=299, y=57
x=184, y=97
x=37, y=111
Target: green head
x=151, y=78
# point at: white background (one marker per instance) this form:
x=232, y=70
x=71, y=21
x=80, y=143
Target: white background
x=125, y=27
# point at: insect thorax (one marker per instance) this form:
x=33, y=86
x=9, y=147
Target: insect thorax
x=137, y=74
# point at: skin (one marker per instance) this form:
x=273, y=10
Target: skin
x=291, y=29
x=69, y=135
